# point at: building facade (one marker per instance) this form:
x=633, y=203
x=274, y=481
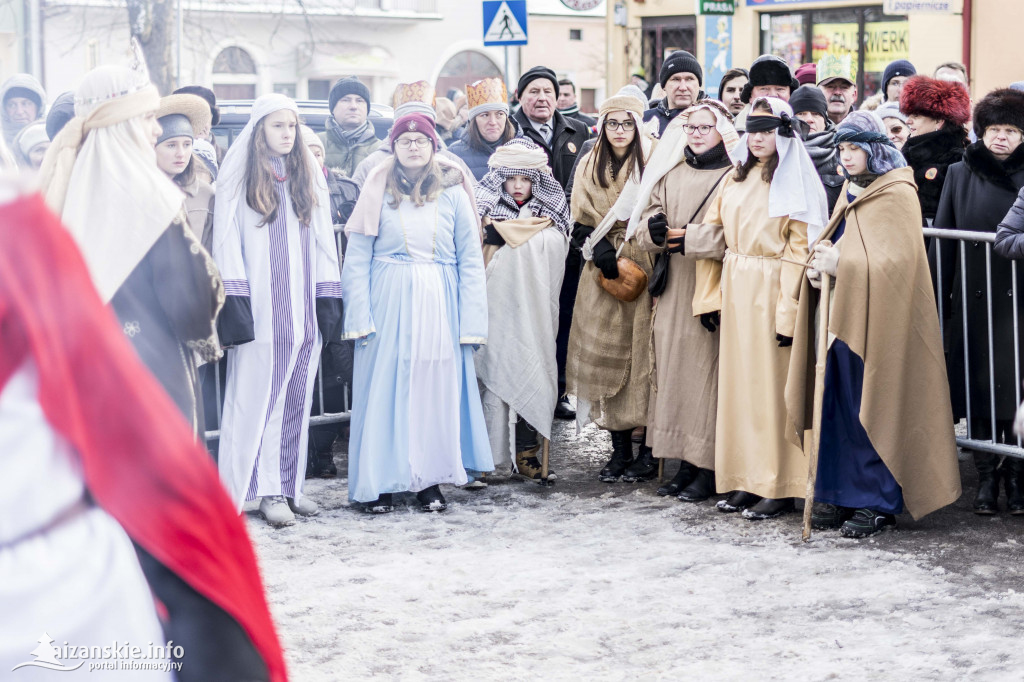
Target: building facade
x=978, y=33
x=246, y=49
x=572, y=43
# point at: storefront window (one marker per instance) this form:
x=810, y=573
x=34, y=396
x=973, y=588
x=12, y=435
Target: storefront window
x=795, y=35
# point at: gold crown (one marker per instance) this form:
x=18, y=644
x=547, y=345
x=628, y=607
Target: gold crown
x=486, y=91
x=420, y=91
x=836, y=66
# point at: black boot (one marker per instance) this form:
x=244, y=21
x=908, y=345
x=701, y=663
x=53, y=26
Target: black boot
x=431, y=499
x=684, y=477
x=644, y=468
x=622, y=457
x=1013, y=472
x=701, y=488
x=769, y=508
x=738, y=500
x=987, y=500
x=382, y=505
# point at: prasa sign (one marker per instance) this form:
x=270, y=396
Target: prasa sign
x=716, y=7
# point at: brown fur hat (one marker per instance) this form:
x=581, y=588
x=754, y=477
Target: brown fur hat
x=999, y=107
x=945, y=100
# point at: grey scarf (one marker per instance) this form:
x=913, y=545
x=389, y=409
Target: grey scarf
x=349, y=138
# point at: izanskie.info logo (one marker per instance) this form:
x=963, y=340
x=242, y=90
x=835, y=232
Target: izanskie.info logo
x=115, y=656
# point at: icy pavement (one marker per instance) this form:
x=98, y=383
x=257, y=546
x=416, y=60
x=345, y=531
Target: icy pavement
x=610, y=582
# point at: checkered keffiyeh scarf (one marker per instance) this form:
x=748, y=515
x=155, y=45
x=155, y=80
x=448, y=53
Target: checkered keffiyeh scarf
x=521, y=157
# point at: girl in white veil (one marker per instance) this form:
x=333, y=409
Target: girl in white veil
x=274, y=243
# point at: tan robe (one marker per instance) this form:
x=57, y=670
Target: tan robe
x=199, y=198
x=684, y=391
x=609, y=360
x=883, y=308
x=757, y=294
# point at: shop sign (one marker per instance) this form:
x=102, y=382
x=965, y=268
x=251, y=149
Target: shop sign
x=716, y=7
x=919, y=6
x=884, y=41
x=777, y=3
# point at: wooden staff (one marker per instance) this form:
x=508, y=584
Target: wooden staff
x=819, y=395
x=544, y=451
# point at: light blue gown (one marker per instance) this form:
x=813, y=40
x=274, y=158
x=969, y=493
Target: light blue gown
x=416, y=298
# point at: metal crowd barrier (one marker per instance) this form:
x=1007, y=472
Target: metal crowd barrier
x=318, y=418
x=962, y=237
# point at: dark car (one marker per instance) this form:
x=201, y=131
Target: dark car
x=234, y=114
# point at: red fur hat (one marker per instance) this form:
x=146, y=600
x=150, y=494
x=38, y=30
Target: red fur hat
x=946, y=100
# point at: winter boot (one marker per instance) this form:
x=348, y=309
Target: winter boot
x=826, y=516
x=622, y=457
x=738, y=500
x=382, y=505
x=431, y=499
x=1013, y=471
x=987, y=500
x=769, y=508
x=528, y=466
x=684, y=477
x=303, y=507
x=643, y=468
x=701, y=488
x=865, y=522
x=275, y=510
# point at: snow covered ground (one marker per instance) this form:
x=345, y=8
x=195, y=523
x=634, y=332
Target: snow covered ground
x=610, y=582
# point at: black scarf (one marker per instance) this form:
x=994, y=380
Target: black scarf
x=984, y=164
x=712, y=159
x=938, y=148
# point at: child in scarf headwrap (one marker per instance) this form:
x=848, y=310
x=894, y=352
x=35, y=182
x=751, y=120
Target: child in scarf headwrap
x=886, y=440
x=526, y=223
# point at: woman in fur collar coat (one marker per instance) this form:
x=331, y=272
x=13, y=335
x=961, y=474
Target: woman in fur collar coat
x=978, y=193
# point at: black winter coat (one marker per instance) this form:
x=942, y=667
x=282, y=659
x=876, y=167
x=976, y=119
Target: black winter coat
x=977, y=194
x=1010, y=233
x=663, y=115
x=931, y=155
x=567, y=140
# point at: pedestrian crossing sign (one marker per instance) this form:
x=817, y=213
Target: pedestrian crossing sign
x=505, y=22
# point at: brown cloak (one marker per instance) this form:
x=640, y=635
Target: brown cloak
x=883, y=307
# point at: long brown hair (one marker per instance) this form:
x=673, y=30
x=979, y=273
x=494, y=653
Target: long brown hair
x=260, y=192
x=428, y=186
x=476, y=140
x=604, y=157
x=770, y=166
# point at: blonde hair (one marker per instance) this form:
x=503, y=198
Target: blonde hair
x=427, y=188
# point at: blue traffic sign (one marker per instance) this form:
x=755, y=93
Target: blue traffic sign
x=505, y=22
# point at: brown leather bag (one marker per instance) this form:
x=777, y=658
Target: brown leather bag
x=631, y=282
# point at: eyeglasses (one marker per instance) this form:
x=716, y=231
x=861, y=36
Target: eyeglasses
x=624, y=125
x=1009, y=132
x=703, y=130
x=406, y=143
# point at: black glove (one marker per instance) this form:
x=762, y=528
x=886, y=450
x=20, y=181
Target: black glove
x=711, y=321
x=580, y=232
x=784, y=341
x=605, y=258
x=677, y=245
x=492, y=236
x=657, y=226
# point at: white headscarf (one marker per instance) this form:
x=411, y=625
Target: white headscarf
x=796, y=190
x=670, y=152
x=100, y=174
x=231, y=178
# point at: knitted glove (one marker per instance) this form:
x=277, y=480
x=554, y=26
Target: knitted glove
x=605, y=258
x=784, y=341
x=657, y=226
x=711, y=321
x=492, y=236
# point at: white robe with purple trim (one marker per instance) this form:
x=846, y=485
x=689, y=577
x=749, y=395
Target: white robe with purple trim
x=287, y=273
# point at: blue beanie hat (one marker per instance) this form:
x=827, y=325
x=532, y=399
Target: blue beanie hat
x=900, y=67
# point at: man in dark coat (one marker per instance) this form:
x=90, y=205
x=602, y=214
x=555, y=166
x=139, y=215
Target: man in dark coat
x=977, y=194
x=568, y=104
x=681, y=78
x=936, y=112
x=770, y=76
x=561, y=138
x=809, y=105
x=348, y=136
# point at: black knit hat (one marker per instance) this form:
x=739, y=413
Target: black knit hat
x=62, y=111
x=900, y=67
x=999, y=107
x=532, y=75
x=348, y=86
x=768, y=70
x=809, y=98
x=205, y=93
x=680, y=61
